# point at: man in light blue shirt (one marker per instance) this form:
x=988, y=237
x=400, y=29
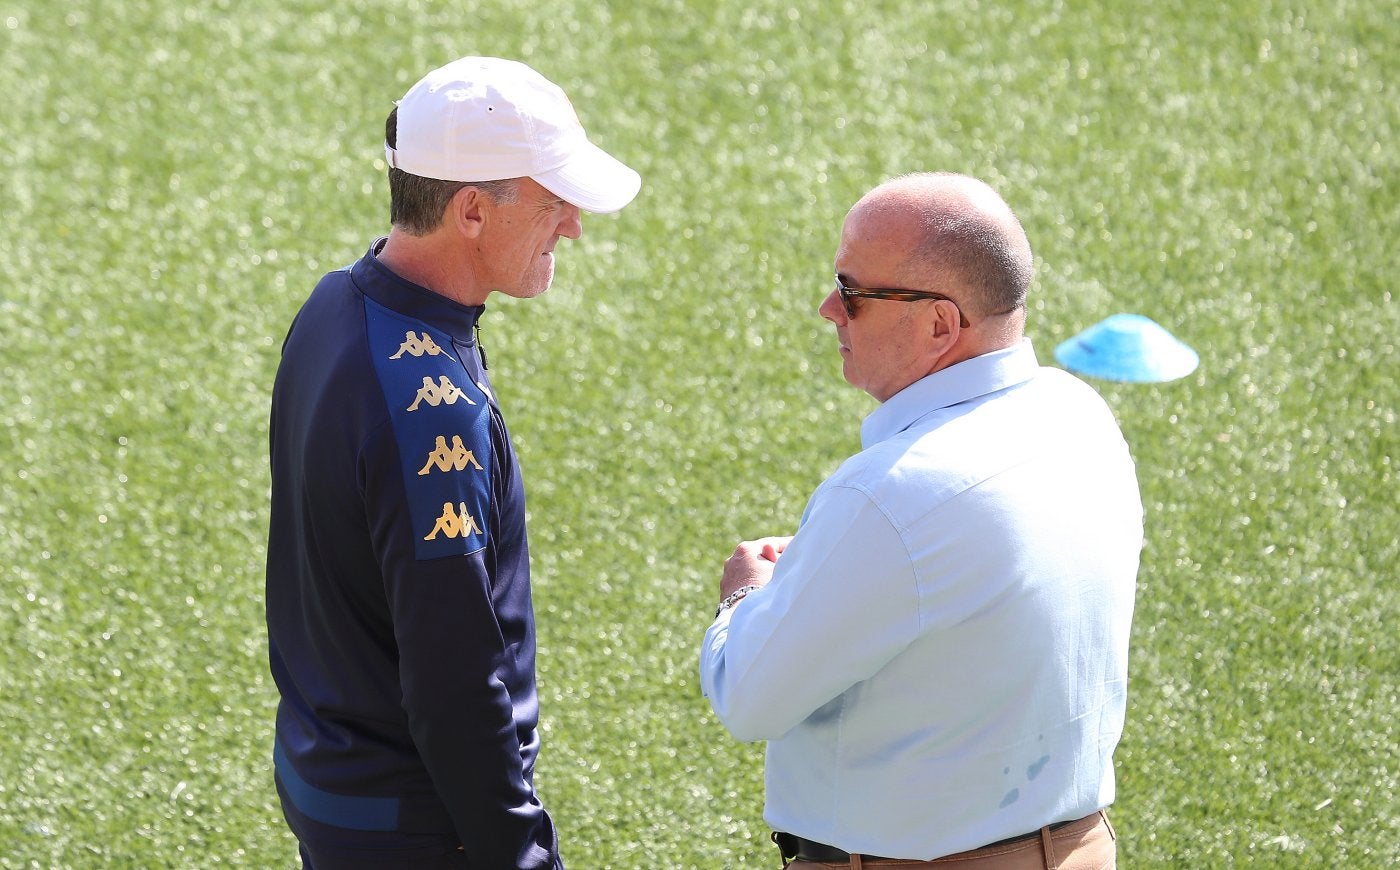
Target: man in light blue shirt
x=938, y=657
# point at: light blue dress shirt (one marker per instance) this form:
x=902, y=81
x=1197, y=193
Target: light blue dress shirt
x=940, y=659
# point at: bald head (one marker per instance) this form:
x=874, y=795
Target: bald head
x=958, y=236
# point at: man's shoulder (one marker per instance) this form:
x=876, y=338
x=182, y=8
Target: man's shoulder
x=906, y=467
x=330, y=318
x=950, y=450
x=346, y=348
x=426, y=382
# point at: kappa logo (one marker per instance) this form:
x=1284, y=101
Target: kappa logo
x=453, y=525
x=435, y=394
x=455, y=459
x=417, y=345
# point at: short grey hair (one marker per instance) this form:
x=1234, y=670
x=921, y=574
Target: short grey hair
x=417, y=204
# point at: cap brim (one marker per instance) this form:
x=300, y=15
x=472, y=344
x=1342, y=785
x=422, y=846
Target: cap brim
x=593, y=180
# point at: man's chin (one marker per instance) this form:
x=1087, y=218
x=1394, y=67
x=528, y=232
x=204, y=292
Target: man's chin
x=530, y=290
x=846, y=370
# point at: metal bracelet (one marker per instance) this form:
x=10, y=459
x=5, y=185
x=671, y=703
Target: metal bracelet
x=734, y=597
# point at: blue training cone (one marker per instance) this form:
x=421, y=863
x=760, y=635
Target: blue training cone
x=1128, y=347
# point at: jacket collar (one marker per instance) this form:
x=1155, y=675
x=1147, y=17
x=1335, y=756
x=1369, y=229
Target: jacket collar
x=379, y=283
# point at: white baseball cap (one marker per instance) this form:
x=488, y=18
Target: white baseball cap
x=486, y=119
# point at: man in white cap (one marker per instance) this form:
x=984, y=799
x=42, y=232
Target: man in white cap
x=938, y=657
x=399, y=615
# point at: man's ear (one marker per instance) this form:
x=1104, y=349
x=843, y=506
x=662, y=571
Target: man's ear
x=467, y=211
x=943, y=325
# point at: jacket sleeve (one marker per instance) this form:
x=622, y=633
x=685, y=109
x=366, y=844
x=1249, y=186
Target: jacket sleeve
x=464, y=635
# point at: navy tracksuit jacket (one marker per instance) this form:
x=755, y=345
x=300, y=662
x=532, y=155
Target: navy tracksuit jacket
x=401, y=629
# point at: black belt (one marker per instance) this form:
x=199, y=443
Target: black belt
x=795, y=848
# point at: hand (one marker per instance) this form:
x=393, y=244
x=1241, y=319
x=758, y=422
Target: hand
x=752, y=564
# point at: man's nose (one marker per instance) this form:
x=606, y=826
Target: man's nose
x=833, y=309
x=571, y=224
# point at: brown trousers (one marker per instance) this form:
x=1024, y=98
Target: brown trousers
x=1088, y=844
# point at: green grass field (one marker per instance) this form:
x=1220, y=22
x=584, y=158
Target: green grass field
x=176, y=176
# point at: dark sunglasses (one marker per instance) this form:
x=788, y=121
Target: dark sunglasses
x=848, y=293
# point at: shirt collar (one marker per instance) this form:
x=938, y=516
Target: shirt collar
x=958, y=383
x=379, y=283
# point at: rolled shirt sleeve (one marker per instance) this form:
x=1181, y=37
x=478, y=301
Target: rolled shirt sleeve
x=842, y=602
